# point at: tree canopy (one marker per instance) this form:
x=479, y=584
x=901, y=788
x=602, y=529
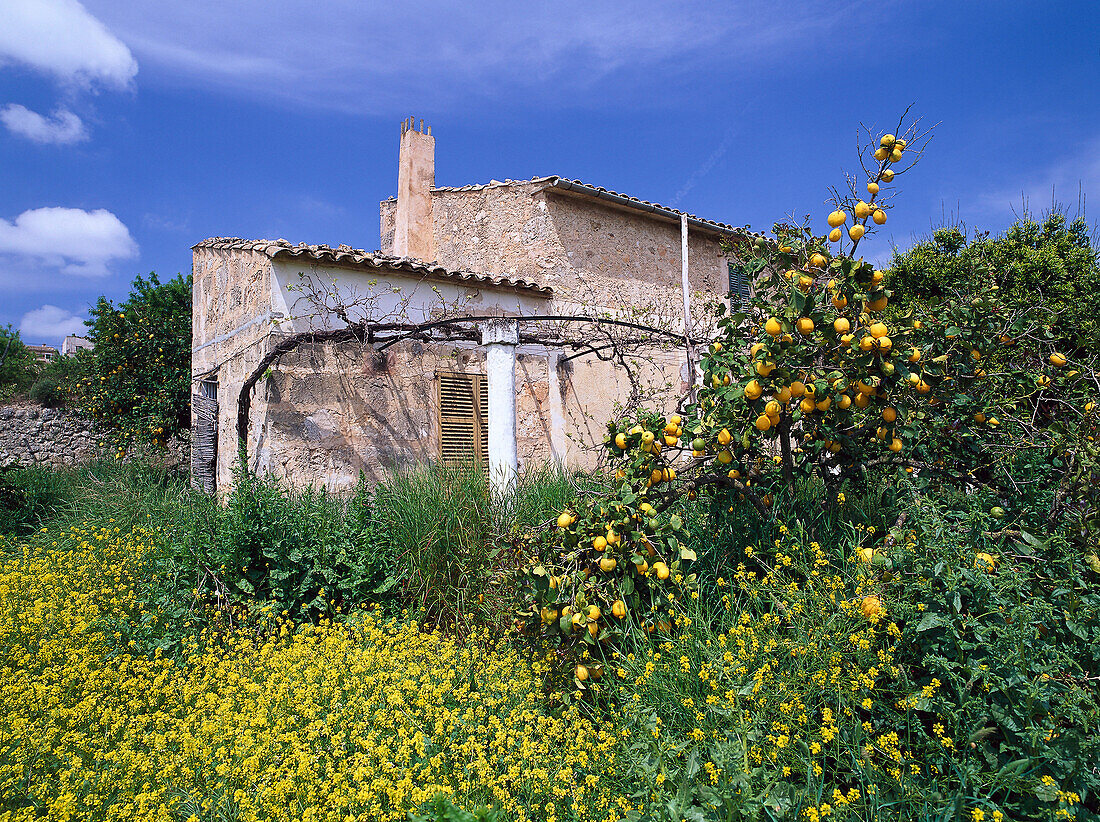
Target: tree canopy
x=1053, y=261
x=137, y=379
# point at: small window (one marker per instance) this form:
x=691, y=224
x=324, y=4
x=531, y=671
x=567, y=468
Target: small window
x=740, y=288
x=463, y=419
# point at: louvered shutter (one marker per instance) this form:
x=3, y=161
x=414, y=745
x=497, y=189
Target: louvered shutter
x=740, y=292
x=463, y=418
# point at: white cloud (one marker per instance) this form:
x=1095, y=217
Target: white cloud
x=62, y=39
x=61, y=128
x=51, y=322
x=74, y=241
x=420, y=55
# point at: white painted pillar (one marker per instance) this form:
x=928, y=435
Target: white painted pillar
x=500, y=338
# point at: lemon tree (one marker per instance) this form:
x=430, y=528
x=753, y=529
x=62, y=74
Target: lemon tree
x=816, y=378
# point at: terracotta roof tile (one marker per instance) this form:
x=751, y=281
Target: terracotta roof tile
x=358, y=258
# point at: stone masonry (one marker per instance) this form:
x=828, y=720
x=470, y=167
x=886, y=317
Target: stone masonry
x=30, y=435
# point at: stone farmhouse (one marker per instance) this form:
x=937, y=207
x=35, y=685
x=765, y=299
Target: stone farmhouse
x=550, y=246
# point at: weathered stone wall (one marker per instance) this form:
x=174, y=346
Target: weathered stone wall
x=588, y=252
x=231, y=322
x=43, y=436
x=333, y=411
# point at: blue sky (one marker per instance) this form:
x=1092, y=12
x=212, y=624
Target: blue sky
x=131, y=130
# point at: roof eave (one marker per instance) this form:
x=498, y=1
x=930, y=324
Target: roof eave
x=660, y=212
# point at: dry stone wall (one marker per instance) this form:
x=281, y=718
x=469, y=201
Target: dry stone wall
x=30, y=435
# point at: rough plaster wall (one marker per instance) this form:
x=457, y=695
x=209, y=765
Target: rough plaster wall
x=586, y=251
x=231, y=298
x=591, y=255
x=333, y=411
x=387, y=222
x=593, y=393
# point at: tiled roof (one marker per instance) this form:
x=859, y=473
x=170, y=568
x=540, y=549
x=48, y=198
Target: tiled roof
x=358, y=258
x=582, y=188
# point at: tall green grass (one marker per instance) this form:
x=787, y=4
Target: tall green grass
x=433, y=539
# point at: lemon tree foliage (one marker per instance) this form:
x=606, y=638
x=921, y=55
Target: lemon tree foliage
x=137, y=379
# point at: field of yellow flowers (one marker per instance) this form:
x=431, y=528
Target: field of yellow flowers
x=940, y=676
x=364, y=720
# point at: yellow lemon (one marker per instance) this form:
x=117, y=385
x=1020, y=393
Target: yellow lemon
x=872, y=609
x=837, y=218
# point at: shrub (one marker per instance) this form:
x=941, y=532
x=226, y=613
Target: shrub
x=310, y=551
x=47, y=392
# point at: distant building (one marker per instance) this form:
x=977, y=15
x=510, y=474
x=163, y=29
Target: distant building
x=72, y=344
x=43, y=353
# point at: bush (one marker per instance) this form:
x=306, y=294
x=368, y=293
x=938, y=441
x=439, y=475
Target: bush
x=309, y=551
x=47, y=391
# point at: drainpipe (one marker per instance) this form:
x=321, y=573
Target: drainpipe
x=690, y=376
x=500, y=338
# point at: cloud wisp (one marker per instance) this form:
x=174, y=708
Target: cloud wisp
x=60, y=38
x=51, y=322
x=436, y=55
x=60, y=128
x=76, y=242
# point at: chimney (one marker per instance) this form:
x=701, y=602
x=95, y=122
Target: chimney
x=413, y=235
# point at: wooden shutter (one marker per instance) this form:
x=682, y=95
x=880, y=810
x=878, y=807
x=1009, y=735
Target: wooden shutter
x=463, y=418
x=740, y=290
x=204, y=442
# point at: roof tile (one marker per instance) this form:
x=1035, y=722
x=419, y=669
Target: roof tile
x=358, y=258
